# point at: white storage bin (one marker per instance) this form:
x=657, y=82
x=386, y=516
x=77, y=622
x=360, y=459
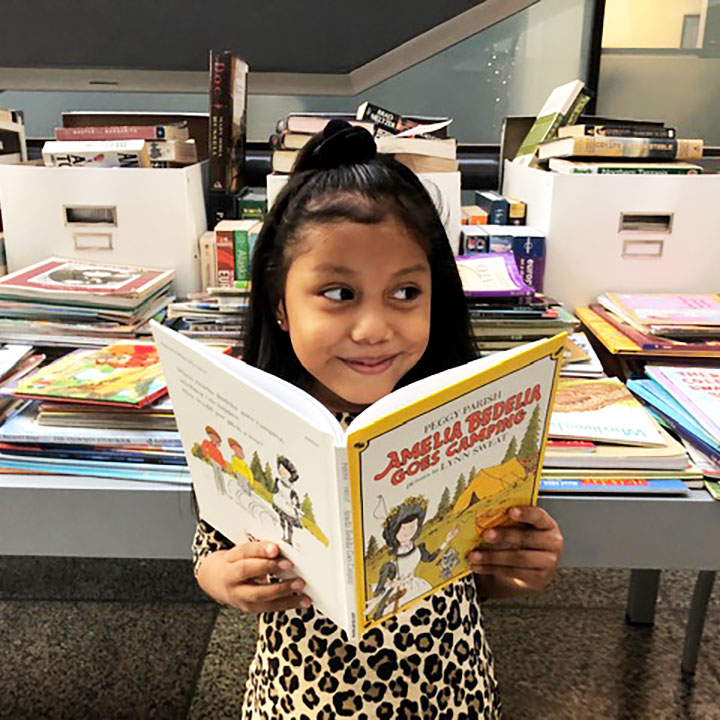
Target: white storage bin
x=129, y=216
x=622, y=233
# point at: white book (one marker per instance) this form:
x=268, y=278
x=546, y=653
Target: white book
x=270, y=462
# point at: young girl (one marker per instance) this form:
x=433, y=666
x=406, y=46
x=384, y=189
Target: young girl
x=355, y=292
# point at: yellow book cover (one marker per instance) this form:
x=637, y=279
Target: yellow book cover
x=378, y=515
x=615, y=341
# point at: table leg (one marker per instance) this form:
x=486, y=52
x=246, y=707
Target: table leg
x=696, y=619
x=642, y=597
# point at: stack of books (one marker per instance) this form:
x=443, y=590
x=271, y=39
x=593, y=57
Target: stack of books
x=421, y=143
x=580, y=359
x=492, y=208
x=16, y=361
x=504, y=310
x=95, y=413
x=687, y=399
x=656, y=324
x=215, y=316
x=225, y=254
x=70, y=303
x=128, y=146
x=603, y=440
x=621, y=148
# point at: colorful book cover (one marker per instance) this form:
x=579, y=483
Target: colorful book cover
x=58, y=278
x=381, y=514
x=696, y=388
x=123, y=373
x=664, y=308
x=603, y=410
x=491, y=275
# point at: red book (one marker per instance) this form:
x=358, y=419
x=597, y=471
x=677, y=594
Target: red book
x=123, y=132
x=225, y=259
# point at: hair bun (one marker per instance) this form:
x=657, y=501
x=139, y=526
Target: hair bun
x=340, y=143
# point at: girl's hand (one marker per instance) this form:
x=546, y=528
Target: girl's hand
x=520, y=559
x=239, y=578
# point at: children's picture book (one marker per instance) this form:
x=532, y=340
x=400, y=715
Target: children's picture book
x=86, y=283
x=602, y=409
x=381, y=514
x=125, y=373
x=696, y=388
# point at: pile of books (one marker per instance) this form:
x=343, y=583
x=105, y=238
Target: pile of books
x=492, y=208
x=603, y=440
x=16, y=361
x=580, y=359
x=621, y=147
x=421, y=143
x=687, y=399
x=214, y=316
x=226, y=252
x=504, y=310
x=95, y=413
x=61, y=302
x=657, y=324
x=128, y=146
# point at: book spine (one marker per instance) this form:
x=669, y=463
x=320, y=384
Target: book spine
x=220, y=119
x=529, y=254
x=607, y=334
x=241, y=244
x=495, y=205
x=224, y=258
x=577, y=107
x=631, y=131
x=103, y=154
x=667, y=149
x=119, y=132
x=392, y=122
x=172, y=151
x=347, y=538
x=208, y=261
x=235, y=178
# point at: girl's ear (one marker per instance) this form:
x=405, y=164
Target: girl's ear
x=281, y=316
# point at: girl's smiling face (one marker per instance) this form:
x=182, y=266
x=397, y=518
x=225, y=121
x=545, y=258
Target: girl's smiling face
x=357, y=307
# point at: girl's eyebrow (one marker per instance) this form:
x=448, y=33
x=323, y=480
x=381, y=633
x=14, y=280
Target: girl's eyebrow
x=344, y=270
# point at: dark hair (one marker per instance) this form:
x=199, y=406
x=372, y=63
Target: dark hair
x=287, y=464
x=339, y=176
x=410, y=510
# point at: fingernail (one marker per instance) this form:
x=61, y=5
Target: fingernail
x=476, y=557
x=270, y=549
x=490, y=535
x=515, y=513
x=285, y=565
x=297, y=585
x=305, y=603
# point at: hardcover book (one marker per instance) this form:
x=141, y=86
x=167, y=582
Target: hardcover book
x=96, y=153
x=379, y=515
x=177, y=131
x=623, y=147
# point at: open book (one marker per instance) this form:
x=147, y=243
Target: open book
x=381, y=514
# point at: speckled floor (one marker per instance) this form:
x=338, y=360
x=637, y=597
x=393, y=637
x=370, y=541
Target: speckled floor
x=136, y=639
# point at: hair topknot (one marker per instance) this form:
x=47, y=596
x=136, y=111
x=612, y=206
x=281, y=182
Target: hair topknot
x=340, y=143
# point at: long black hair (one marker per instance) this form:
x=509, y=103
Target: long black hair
x=338, y=176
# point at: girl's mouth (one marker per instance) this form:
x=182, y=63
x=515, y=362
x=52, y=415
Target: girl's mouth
x=370, y=366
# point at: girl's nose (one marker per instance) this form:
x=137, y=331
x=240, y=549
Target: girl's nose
x=371, y=326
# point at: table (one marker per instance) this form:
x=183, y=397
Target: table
x=89, y=517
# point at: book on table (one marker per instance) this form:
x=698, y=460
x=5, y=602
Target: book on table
x=381, y=514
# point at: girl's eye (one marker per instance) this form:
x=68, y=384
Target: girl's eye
x=338, y=293
x=407, y=292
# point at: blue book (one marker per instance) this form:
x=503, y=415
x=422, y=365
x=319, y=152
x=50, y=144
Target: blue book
x=675, y=414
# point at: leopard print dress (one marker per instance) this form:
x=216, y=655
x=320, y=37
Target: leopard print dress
x=430, y=661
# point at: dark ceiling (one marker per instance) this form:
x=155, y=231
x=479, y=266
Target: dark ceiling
x=305, y=36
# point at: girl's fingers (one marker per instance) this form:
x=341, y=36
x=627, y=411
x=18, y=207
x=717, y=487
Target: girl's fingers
x=523, y=538
x=254, y=568
x=525, y=559
x=532, y=515
x=253, y=550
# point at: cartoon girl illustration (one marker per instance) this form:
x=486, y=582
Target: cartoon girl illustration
x=398, y=581
x=286, y=502
x=238, y=468
x=210, y=449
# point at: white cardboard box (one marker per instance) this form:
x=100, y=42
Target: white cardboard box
x=592, y=246
x=130, y=216
x=444, y=189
